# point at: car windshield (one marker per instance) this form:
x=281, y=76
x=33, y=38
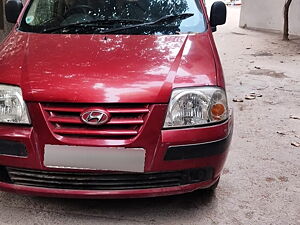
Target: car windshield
x=140, y=17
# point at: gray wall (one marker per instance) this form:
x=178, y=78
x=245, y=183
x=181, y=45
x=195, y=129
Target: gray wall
x=268, y=15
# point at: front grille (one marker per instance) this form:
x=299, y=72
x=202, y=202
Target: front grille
x=126, y=120
x=106, y=181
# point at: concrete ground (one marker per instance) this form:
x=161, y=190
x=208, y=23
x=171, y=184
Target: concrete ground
x=261, y=180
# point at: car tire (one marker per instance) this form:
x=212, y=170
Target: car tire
x=214, y=186
x=206, y=194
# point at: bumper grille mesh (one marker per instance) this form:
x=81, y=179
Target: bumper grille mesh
x=105, y=181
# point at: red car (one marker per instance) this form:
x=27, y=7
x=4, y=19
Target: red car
x=112, y=98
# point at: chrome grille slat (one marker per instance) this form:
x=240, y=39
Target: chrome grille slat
x=77, y=120
x=95, y=132
x=112, y=110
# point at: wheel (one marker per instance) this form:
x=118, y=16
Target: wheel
x=211, y=189
x=214, y=186
x=206, y=194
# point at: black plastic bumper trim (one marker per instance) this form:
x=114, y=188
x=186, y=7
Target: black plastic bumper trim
x=198, y=150
x=12, y=148
x=4, y=175
x=102, y=180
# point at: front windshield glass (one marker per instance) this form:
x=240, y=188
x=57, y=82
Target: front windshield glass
x=159, y=17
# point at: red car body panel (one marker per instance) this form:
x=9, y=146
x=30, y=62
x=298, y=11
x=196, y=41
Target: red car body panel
x=106, y=68
x=93, y=69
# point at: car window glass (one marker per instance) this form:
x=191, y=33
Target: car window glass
x=43, y=15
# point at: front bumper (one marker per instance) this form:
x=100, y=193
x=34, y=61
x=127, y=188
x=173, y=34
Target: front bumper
x=91, y=194
x=170, y=150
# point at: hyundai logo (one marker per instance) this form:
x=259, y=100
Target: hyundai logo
x=95, y=116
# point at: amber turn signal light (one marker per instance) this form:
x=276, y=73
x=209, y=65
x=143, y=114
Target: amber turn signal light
x=217, y=110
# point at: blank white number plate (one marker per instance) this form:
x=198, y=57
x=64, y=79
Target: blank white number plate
x=95, y=158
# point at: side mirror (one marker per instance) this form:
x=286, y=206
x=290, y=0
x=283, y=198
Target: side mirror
x=218, y=14
x=13, y=9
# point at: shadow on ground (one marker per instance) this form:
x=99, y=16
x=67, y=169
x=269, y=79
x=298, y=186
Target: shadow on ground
x=135, y=210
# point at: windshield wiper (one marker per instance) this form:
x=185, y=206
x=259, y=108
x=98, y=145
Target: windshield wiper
x=93, y=23
x=168, y=18
x=96, y=23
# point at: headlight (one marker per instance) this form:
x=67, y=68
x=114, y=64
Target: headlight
x=12, y=106
x=196, y=106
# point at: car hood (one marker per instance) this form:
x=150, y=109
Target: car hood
x=105, y=68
